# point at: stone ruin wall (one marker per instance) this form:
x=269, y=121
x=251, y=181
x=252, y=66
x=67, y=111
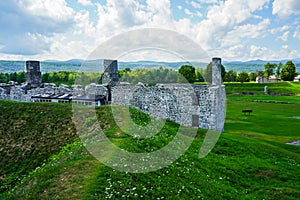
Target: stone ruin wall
x=189, y=105
x=18, y=93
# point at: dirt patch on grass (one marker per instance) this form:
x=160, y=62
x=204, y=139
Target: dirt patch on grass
x=248, y=135
x=265, y=173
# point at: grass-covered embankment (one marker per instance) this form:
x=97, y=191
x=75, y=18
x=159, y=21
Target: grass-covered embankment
x=29, y=134
x=249, y=161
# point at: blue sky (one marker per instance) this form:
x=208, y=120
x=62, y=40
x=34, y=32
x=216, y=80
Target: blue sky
x=231, y=29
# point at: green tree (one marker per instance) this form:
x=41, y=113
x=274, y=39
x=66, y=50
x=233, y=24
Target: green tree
x=4, y=77
x=45, y=78
x=252, y=76
x=13, y=77
x=223, y=72
x=21, y=77
x=260, y=73
x=230, y=76
x=288, y=72
x=124, y=71
x=72, y=77
x=199, y=75
x=188, y=72
x=243, y=77
x=269, y=69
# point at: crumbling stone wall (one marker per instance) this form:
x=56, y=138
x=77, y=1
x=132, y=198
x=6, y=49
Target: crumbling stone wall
x=20, y=93
x=190, y=105
x=181, y=103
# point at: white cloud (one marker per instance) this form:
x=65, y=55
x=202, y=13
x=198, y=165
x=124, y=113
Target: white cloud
x=235, y=52
x=30, y=24
x=285, y=46
x=285, y=36
x=279, y=29
x=258, y=52
x=85, y=2
x=240, y=34
x=285, y=8
x=245, y=52
x=250, y=30
x=160, y=11
x=224, y=18
x=155, y=42
x=224, y=21
x=188, y=12
x=84, y=26
x=297, y=33
x=199, y=14
x=55, y=31
x=56, y=10
x=196, y=5
x=62, y=48
x=114, y=17
x=286, y=52
x=208, y=1
x=117, y=16
x=184, y=26
x=26, y=44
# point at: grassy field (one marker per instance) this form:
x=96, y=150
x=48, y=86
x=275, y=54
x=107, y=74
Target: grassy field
x=250, y=160
x=277, y=89
x=281, y=88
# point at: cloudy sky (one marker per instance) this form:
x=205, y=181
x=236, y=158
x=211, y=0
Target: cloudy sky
x=67, y=29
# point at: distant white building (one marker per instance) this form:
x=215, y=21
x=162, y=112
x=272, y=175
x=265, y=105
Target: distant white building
x=271, y=79
x=297, y=78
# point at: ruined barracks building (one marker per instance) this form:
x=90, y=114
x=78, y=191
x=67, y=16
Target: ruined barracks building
x=190, y=105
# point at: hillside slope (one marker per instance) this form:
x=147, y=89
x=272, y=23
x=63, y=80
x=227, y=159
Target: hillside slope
x=239, y=167
x=29, y=135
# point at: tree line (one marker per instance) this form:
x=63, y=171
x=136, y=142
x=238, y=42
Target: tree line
x=16, y=77
x=64, y=77
x=186, y=73
x=285, y=72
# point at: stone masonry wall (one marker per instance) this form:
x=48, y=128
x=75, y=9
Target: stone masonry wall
x=181, y=103
x=18, y=93
x=190, y=105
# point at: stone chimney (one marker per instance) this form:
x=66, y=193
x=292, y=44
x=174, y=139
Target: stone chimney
x=216, y=77
x=33, y=73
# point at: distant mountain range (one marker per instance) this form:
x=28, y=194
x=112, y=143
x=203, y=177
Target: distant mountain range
x=96, y=65
x=258, y=61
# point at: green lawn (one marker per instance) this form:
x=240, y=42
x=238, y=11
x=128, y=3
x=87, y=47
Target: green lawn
x=290, y=88
x=286, y=88
x=270, y=121
x=265, y=98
